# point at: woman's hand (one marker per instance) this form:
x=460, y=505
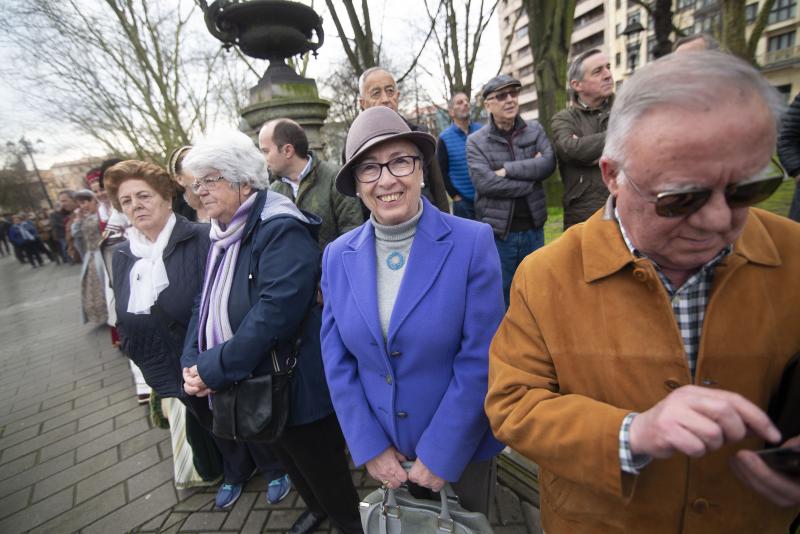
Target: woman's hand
x=193, y=384
x=422, y=476
x=386, y=468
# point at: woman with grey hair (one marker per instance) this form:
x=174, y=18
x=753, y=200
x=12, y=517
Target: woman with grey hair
x=259, y=301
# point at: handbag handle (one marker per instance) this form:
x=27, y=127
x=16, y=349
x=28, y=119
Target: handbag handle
x=390, y=514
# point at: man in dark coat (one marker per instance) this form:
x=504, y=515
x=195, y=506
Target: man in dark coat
x=579, y=134
x=508, y=160
x=789, y=152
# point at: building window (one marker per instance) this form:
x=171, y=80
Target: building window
x=524, y=71
x=707, y=24
x=523, y=52
x=522, y=32
x=636, y=16
x=684, y=4
x=785, y=91
x=651, y=45
x=779, y=42
x=589, y=17
x=618, y=4
x=592, y=41
x=617, y=59
x=750, y=12
x=528, y=106
x=633, y=57
x=782, y=10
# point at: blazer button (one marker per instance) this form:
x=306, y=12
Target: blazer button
x=640, y=274
x=402, y=415
x=396, y=353
x=389, y=379
x=700, y=506
x=672, y=385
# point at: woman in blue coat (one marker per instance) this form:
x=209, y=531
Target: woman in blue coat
x=259, y=296
x=412, y=299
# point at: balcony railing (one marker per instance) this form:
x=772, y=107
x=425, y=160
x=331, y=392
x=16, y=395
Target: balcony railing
x=784, y=55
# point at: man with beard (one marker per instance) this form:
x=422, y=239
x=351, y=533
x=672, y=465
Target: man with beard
x=451, y=151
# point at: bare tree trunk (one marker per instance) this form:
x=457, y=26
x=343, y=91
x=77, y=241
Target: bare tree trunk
x=459, y=39
x=550, y=33
x=662, y=21
x=734, y=24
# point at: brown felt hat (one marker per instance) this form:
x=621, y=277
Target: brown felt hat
x=374, y=126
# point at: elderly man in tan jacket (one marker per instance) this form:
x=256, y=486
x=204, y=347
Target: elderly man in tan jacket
x=641, y=349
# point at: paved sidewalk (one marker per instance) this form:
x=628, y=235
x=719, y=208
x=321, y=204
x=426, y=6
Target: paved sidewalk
x=77, y=453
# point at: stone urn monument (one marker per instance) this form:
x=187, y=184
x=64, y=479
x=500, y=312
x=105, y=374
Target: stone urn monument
x=274, y=30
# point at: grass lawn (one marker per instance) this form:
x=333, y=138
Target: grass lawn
x=778, y=203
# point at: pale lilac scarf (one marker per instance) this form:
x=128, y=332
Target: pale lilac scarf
x=215, y=327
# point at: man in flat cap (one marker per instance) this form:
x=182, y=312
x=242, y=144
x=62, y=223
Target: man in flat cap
x=508, y=160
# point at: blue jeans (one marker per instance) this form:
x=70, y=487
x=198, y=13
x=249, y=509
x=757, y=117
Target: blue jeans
x=513, y=250
x=464, y=208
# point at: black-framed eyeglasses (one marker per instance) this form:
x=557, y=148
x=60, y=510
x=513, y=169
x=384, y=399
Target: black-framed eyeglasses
x=209, y=184
x=740, y=195
x=398, y=167
x=501, y=97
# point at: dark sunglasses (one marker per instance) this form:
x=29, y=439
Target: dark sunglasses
x=739, y=195
x=501, y=97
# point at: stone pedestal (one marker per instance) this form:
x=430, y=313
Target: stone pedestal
x=282, y=93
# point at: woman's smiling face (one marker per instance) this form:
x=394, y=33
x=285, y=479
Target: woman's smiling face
x=391, y=199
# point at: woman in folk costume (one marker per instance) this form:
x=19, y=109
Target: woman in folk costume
x=157, y=273
x=87, y=236
x=258, y=302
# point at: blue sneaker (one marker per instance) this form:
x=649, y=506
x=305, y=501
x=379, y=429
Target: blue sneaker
x=278, y=489
x=227, y=495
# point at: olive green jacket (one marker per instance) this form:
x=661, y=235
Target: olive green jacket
x=318, y=195
x=579, y=135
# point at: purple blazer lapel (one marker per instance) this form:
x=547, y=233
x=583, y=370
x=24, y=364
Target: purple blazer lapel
x=426, y=259
x=360, y=268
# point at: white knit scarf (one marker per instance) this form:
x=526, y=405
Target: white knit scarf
x=215, y=327
x=148, y=276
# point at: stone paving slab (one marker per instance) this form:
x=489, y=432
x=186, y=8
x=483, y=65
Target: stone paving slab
x=79, y=454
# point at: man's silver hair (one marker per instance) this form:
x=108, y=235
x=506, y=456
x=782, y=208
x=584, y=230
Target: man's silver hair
x=696, y=81
x=576, y=72
x=362, y=80
x=230, y=153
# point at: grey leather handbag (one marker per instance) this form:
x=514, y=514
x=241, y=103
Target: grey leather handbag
x=390, y=511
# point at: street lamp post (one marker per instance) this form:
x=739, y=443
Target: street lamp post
x=26, y=145
x=633, y=43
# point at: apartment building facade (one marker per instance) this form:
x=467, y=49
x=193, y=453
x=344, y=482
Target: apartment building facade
x=601, y=23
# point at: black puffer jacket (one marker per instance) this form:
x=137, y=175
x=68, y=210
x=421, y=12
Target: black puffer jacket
x=789, y=139
x=488, y=151
x=154, y=342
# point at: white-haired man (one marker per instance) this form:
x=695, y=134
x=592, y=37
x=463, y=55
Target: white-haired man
x=641, y=349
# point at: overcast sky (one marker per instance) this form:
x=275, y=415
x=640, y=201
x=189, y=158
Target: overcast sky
x=400, y=21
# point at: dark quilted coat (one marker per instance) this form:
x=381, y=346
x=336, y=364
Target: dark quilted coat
x=488, y=151
x=155, y=341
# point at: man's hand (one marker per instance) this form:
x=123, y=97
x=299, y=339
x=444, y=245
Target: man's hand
x=193, y=384
x=386, y=468
x=694, y=420
x=775, y=486
x=501, y=171
x=422, y=476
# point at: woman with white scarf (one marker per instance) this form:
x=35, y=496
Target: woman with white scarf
x=156, y=276
x=259, y=297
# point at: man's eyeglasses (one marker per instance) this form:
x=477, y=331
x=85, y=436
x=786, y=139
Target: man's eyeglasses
x=739, y=195
x=501, y=97
x=209, y=184
x=398, y=167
